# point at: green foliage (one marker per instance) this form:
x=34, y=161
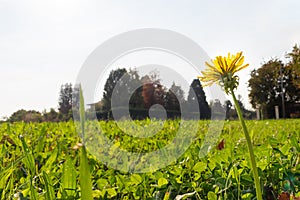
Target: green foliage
x=26, y=116
x=47, y=161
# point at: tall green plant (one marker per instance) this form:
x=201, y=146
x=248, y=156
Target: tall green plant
x=84, y=169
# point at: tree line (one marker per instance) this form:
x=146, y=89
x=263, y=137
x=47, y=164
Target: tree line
x=143, y=93
x=125, y=90
x=273, y=84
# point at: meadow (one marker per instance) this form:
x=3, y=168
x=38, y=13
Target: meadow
x=48, y=161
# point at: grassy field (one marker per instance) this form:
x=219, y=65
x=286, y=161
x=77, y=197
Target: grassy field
x=47, y=161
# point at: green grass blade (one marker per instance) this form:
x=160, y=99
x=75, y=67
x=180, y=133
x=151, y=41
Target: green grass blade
x=69, y=177
x=85, y=176
x=29, y=159
x=84, y=169
x=33, y=192
x=49, y=187
x=3, y=182
x=30, y=164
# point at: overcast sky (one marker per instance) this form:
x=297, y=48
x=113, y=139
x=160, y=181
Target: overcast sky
x=44, y=43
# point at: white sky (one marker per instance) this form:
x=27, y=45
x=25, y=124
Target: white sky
x=44, y=43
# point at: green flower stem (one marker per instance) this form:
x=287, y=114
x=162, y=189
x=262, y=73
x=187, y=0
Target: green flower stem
x=250, y=148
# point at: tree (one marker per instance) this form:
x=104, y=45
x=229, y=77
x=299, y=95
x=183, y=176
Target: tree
x=175, y=96
x=228, y=106
x=65, y=102
x=159, y=94
x=294, y=65
x=127, y=87
x=174, y=100
x=148, y=92
x=136, y=88
x=265, y=87
x=153, y=91
x=51, y=116
x=111, y=82
x=197, y=95
x=217, y=110
x=291, y=87
x=26, y=116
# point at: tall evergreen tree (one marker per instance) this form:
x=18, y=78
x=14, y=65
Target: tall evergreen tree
x=199, y=98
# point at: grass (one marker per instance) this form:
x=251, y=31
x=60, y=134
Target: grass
x=48, y=162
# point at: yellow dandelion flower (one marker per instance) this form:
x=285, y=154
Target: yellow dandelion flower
x=222, y=70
